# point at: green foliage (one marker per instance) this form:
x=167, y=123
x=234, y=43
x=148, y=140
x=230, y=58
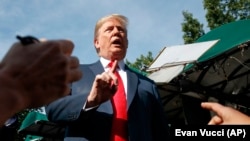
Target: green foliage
x=220, y=12
x=192, y=28
x=142, y=62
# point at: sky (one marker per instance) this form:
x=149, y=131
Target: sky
x=153, y=25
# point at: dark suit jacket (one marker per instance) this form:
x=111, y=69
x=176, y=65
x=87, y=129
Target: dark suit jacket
x=146, y=121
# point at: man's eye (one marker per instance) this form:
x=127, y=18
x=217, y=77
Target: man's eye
x=121, y=29
x=109, y=30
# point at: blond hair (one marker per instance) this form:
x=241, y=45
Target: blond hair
x=122, y=19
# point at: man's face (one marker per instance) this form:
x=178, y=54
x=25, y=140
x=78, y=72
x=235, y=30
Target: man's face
x=112, y=40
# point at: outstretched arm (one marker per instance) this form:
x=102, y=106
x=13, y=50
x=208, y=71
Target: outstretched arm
x=225, y=114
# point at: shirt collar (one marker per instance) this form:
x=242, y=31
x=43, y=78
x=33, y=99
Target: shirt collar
x=105, y=63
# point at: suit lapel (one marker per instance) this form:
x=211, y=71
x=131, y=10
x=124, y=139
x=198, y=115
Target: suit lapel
x=132, y=81
x=97, y=68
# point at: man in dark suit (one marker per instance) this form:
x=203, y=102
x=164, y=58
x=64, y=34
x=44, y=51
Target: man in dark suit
x=88, y=112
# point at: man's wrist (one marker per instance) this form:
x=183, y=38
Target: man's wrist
x=90, y=103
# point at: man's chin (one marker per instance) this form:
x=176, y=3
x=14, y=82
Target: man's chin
x=118, y=56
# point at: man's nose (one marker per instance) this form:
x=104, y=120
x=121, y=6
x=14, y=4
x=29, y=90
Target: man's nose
x=116, y=31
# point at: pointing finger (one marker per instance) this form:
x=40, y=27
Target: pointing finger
x=114, y=66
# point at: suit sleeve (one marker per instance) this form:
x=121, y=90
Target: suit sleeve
x=64, y=109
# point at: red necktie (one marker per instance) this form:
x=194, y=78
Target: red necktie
x=119, y=126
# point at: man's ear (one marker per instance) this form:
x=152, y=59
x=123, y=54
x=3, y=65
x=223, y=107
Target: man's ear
x=96, y=43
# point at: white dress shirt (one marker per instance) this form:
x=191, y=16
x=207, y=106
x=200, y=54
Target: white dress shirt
x=120, y=70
